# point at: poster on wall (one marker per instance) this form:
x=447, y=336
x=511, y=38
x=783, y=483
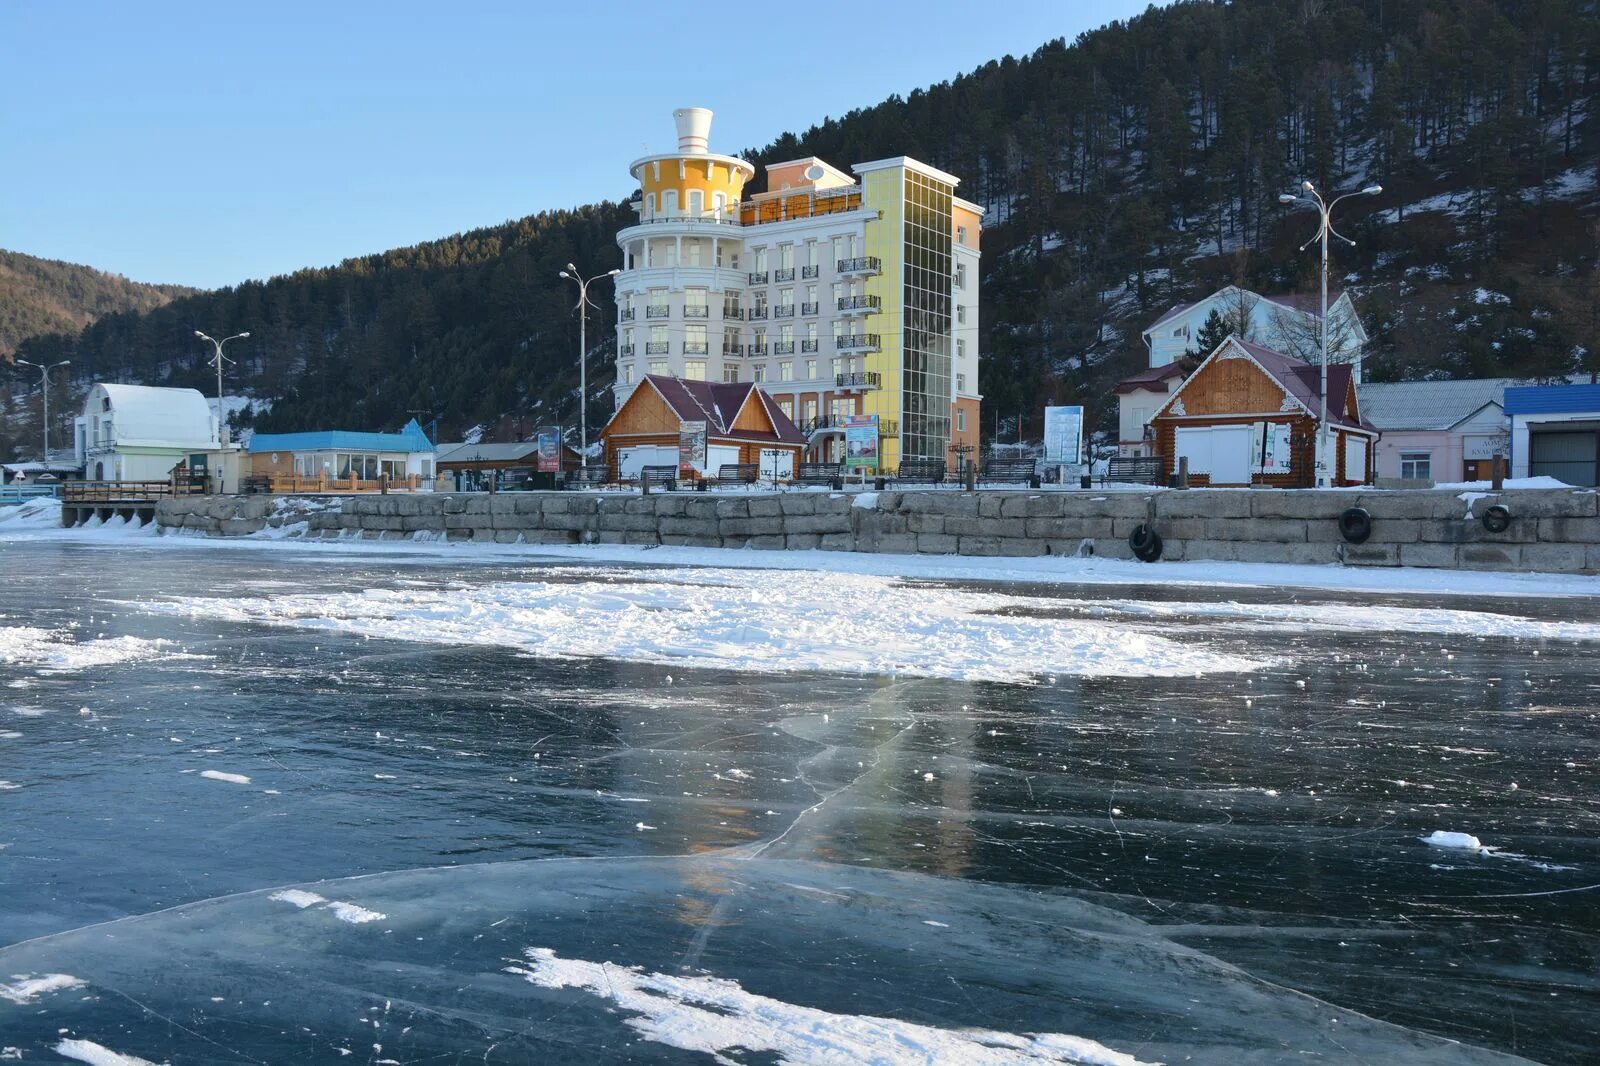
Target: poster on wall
x=1270, y=450
x=861, y=442
x=691, y=447
x=1063, y=435
x=549, y=438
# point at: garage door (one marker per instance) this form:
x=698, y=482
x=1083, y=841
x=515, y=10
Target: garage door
x=1568, y=457
x=1221, y=452
x=629, y=460
x=718, y=456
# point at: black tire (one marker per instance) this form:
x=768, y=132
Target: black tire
x=1152, y=550
x=1139, y=539
x=1355, y=525
x=1497, y=519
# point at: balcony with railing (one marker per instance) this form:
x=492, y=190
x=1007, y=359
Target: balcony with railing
x=732, y=313
x=860, y=305
x=624, y=350
x=783, y=311
x=695, y=348
x=626, y=314
x=822, y=424
x=658, y=311
x=810, y=271
x=758, y=277
x=655, y=348
x=865, y=379
x=757, y=314
x=783, y=348
x=888, y=427
x=857, y=342
x=861, y=265
x=808, y=346
x=732, y=349
x=756, y=350
x=783, y=274
x=696, y=311
x=808, y=309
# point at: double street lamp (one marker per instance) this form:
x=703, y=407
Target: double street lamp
x=44, y=388
x=219, y=359
x=1310, y=195
x=583, y=350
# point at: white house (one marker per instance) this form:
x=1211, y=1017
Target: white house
x=1286, y=323
x=140, y=433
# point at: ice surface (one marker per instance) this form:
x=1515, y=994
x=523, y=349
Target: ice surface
x=716, y=1016
x=96, y=1054
x=23, y=988
x=758, y=621
x=53, y=651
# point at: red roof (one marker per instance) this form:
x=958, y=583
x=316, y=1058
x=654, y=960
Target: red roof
x=1303, y=381
x=1149, y=379
x=718, y=404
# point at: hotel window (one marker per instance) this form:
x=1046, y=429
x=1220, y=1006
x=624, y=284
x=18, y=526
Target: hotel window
x=694, y=301
x=761, y=260
x=694, y=253
x=839, y=409
x=811, y=370
x=761, y=302
x=811, y=253
x=786, y=334
x=719, y=201
x=808, y=410
x=730, y=342
x=658, y=366
x=961, y=275
x=786, y=299
x=961, y=420
x=758, y=373
x=961, y=235
x=838, y=293
x=669, y=202
x=730, y=304
x=730, y=373
x=811, y=295
x=787, y=407
x=1416, y=464
x=838, y=249
x=649, y=205
x=786, y=370
x=961, y=314
x=838, y=365
x=694, y=340
x=694, y=369
x=658, y=341
x=786, y=256
x=627, y=373
x=961, y=349
x=961, y=383
x=697, y=202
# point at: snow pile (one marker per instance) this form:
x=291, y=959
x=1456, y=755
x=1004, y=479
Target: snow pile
x=716, y=1017
x=1440, y=838
x=1543, y=481
x=51, y=650
x=35, y=514
x=25, y=987
x=1349, y=618
x=218, y=775
x=353, y=913
x=97, y=1054
x=761, y=621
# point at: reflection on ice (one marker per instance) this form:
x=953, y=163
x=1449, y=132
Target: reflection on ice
x=800, y=961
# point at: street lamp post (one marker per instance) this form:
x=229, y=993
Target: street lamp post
x=583, y=350
x=1309, y=194
x=222, y=434
x=44, y=389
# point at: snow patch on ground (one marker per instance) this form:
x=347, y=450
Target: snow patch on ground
x=349, y=912
x=97, y=1055
x=52, y=651
x=716, y=1016
x=218, y=775
x=24, y=988
x=1441, y=838
x=1540, y=482
x=299, y=897
x=1353, y=618
x=344, y=911
x=760, y=621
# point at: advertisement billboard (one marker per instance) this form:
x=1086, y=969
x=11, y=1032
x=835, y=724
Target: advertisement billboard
x=549, y=438
x=861, y=442
x=1063, y=435
x=691, y=447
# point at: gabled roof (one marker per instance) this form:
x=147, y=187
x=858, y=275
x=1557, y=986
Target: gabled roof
x=1150, y=379
x=718, y=405
x=1435, y=405
x=1301, y=303
x=409, y=439
x=1298, y=379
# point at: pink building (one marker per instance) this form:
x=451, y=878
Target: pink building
x=1438, y=430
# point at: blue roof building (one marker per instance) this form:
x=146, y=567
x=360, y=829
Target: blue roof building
x=409, y=439
x=344, y=455
x=1555, y=432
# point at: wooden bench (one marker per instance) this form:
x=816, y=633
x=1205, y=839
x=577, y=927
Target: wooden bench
x=664, y=477
x=738, y=473
x=588, y=477
x=1132, y=470
x=830, y=474
x=929, y=470
x=1010, y=470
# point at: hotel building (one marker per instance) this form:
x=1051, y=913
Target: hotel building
x=838, y=294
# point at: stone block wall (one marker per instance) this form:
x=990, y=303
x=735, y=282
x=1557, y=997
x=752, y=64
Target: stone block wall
x=1551, y=529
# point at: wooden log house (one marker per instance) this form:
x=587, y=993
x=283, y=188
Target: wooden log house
x=742, y=423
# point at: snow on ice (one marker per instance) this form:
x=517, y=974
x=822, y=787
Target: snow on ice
x=52, y=651
x=713, y=1015
x=23, y=988
x=97, y=1054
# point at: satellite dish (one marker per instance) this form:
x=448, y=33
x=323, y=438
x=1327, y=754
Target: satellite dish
x=814, y=172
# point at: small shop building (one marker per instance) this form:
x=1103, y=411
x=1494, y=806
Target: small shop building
x=742, y=425
x=1555, y=432
x=471, y=467
x=142, y=433
x=1438, y=430
x=340, y=460
x=1249, y=415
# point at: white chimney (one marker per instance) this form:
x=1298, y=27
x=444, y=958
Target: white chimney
x=694, y=129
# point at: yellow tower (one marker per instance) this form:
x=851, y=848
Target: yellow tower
x=691, y=182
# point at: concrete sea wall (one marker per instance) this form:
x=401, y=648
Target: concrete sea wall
x=1550, y=529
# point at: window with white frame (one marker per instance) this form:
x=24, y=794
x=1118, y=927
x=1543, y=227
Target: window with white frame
x=961, y=383
x=961, y=275
x=961, y=235
x=786, y=370
x=759, y=372
x=627, y=373
x=961, y=419
x=658, y=366
x=1416, y=464
x=961, y=348
x=730, y=373
x=961, y=314
x=694, y=369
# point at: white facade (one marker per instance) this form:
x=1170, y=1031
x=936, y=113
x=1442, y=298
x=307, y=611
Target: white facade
x=1282, y=323
x=140, y=433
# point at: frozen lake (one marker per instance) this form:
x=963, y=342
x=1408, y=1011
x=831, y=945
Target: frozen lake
x=286, y=805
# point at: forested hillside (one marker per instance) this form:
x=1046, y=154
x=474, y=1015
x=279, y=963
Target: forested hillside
x=47, y=296
x=1134, y=167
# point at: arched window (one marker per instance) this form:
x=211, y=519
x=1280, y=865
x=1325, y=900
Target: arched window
x=697, y=203
x=669, y=202
x=649, y=205
x=719, y=201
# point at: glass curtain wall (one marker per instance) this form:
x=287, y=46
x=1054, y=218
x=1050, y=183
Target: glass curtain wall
x=925, y=359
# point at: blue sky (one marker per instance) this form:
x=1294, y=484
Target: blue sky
x=207, y=143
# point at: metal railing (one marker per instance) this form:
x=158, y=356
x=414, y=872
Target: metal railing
x=655, y=348
x=695, y=348
x=626, y=314
x=783, y=311
x=657, y=311
x=860, y=303
x=888, y=427
x=808, y=309
x=21, y=493
x=696, y=311
x=706, y=220
x=810, y=271
x=756, y=314
x=859, y=380
x=732, y=312
x=783, y=348
x=808, y=346
x=783, y=274
x=733, y=349
x=856, y=342
x=758, y=277
x=624, y=349
x=821, y=422
x=861, y=264
x=756, y=349
x=128, y=491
